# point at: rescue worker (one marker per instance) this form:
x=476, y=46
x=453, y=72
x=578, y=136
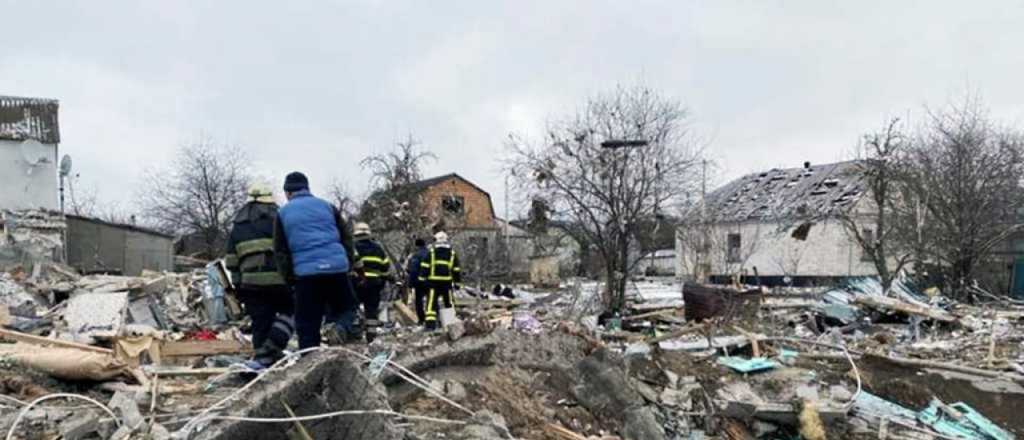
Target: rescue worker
x=250, y=260
x=374, y=272
x=441, y=272
x=313, y=255
x=419, y=288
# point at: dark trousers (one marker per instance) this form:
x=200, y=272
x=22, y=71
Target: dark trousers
x=369, y=296
x=313, y=296
x=368, y=293
x=422, y=292
x=271, y=309
x=438, y=297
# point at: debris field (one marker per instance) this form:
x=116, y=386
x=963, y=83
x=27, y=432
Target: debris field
x=159, y=356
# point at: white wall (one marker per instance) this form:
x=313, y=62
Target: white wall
x=828, y=251
x=18, y=188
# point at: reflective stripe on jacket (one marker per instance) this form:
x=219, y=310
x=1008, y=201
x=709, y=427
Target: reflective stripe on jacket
x=441, y=265
x=375, y=261
x=250, y=247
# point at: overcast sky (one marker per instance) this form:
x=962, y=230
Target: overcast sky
x=317, y=87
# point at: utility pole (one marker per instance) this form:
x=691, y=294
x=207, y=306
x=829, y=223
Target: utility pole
x=508, y=222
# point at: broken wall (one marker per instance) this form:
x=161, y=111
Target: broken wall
x=31, y=236
x=827, y=252
x=28, y=175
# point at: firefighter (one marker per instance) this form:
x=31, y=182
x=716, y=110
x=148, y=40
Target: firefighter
x=250, y=260
x=420, y=289
x=442, y=275
x=374, y=273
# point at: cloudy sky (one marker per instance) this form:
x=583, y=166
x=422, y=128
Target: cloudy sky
x=315, y=86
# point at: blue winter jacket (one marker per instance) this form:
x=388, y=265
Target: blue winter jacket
x=312, y=232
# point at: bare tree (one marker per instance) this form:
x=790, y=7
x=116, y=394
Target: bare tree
x=609, y=191
x=964, y=174
x=86, y=203
x=198, y=192
x=877, y=224
x=342, y=196
x=394, y=205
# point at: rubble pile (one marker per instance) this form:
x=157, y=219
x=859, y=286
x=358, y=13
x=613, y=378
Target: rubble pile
x=163, y=353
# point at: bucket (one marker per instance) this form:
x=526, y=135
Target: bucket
x=448, y=317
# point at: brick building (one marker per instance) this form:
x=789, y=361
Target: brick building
x=452, y=196
x=489, y=247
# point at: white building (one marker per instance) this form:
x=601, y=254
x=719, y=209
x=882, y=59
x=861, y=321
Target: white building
x=29, y=135
x=778, y=225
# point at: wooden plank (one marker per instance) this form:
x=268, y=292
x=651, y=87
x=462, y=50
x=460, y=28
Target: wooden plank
x=753, y=340
x=562, y=433
x=896, y=305
x=648, y=315
x=173, y=371
x=408, y=316
x=675, y=334
x=39, y=340
x=203, y=348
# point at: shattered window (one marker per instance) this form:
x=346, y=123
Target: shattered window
x=869, y=239
x=453, y=204
x=732, y=254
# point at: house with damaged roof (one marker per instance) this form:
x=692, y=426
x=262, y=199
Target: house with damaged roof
x=778, y=227
x=489, y=246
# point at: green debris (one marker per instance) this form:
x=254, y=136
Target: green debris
x=751, y=365
x=960, y=420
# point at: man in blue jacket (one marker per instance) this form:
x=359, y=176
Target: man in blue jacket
x=314, y=254
x=412, y=271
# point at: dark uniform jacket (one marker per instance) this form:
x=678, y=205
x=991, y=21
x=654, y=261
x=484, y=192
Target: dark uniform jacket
x=441, y=267
x=413, y=269
x=375, y=266
x=250, y=250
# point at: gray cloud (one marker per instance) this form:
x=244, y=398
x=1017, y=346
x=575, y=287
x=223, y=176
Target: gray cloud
x=316, y=87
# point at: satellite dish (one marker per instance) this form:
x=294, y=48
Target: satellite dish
x=65, y=165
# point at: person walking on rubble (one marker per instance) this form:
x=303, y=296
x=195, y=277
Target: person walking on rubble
x=259, y=286
x=442, y=274
x=419, y=288
x=314, y=254
x=373, y=268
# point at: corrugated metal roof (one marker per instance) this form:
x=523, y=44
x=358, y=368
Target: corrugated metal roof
x=816, y=191
x=29, y=118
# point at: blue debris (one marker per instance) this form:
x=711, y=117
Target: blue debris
x=751, y=365
x=972, y=425
x=786, y=354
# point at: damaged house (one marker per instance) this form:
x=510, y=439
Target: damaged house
x=29, y=138
x=755, y=228
x=459, y=207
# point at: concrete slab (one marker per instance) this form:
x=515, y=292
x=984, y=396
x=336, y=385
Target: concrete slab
x=320, y=383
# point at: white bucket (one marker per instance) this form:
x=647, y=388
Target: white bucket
x=448, y=317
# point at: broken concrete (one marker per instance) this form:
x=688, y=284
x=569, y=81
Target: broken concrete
x=91, y=316
x=80, y=426
x=604, y=389
x=320, y=383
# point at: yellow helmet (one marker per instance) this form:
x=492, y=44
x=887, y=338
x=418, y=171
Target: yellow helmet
x=361, y=230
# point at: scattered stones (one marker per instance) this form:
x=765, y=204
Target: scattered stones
x=80, y=426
